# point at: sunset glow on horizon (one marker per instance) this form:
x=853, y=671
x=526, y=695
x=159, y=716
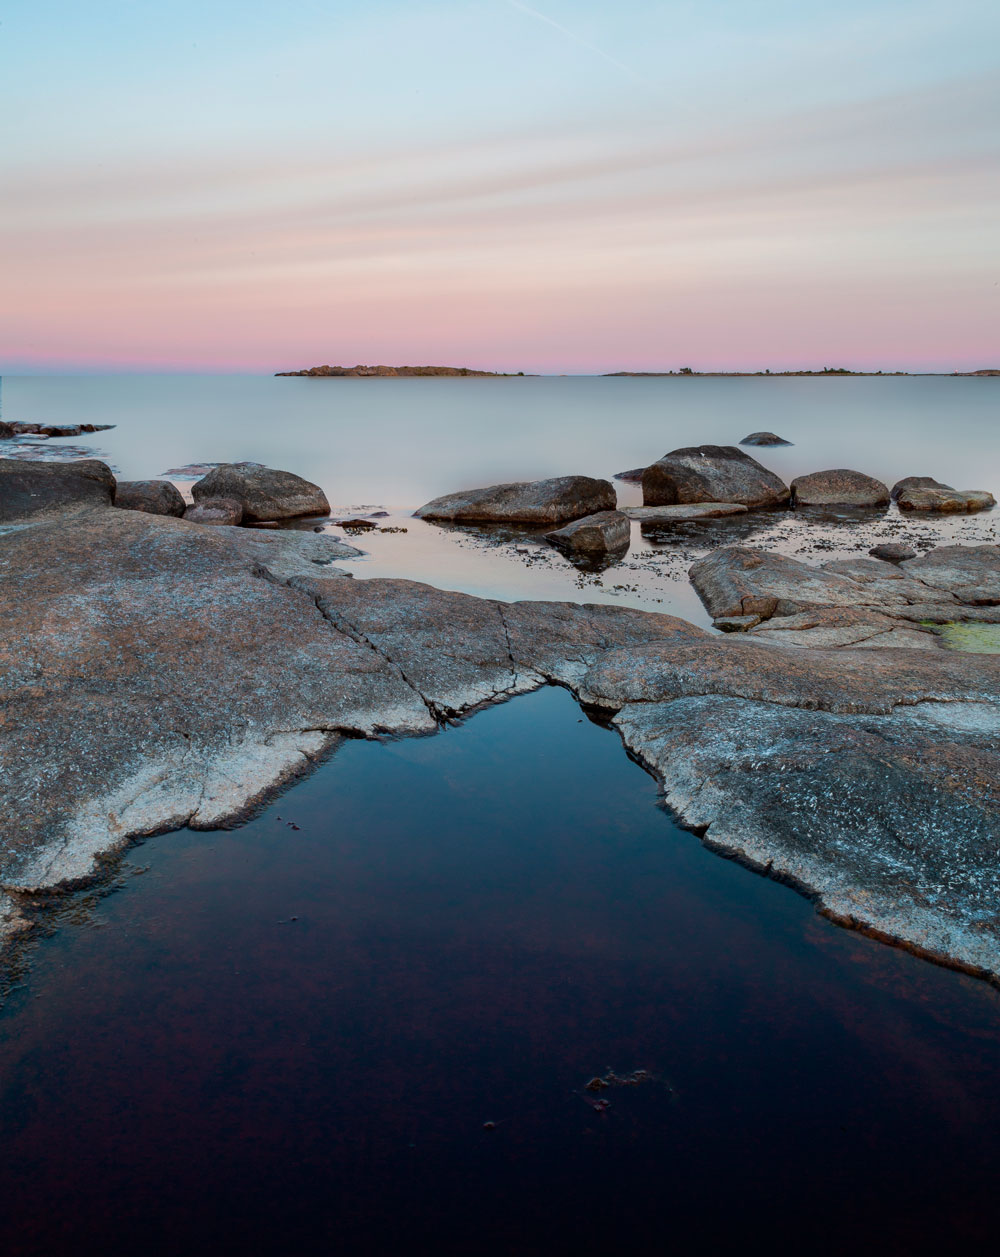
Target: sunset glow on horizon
x=557, y=187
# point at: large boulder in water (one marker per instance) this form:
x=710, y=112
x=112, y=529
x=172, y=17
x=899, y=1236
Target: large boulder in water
x=262, y=492
x=525, y=502
x=155, y=497
x=839, y=487
x=711, y=473
x=30, y=488
x=922, y=493
x=6, y=431
x=594, y=537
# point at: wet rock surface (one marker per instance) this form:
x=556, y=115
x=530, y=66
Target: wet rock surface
x=840, y=487
x=866, y=777
x=157, y=497
x=264, y=493
x=711, y=473
x=540, y=502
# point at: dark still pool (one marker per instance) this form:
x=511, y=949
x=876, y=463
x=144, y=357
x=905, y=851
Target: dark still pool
x=365, y=1023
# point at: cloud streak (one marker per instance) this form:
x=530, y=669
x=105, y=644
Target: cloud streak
x=528, y=11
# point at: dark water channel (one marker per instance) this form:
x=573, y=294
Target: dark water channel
x=284, y=1040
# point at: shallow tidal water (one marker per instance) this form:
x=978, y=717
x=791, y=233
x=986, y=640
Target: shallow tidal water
x=288, y=1037
x=283, y=1039
x=394, y=444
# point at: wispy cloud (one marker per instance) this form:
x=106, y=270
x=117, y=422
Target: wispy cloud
x=577, y=39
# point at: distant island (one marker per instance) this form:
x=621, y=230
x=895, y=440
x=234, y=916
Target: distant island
x=826, y=371
x=324, y=372
x=362, y=370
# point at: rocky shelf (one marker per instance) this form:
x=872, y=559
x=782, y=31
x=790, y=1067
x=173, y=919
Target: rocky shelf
x=160, y=673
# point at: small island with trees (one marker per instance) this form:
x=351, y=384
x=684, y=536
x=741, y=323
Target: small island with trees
x=391, y=371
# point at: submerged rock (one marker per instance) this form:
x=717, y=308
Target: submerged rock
x=215, y=511
x=262, y=492
x=525, y=502
x=764, y=438
x=157, y=497
x=839, y=487
x=30, y=488
x=711, y=473
x=594, y=537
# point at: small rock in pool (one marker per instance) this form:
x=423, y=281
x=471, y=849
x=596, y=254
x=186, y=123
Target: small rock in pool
x=892, y=552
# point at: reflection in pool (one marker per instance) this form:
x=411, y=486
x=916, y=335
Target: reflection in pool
x=290, y=1037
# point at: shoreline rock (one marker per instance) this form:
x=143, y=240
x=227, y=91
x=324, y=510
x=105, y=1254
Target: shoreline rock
x=264, y=494
x=868, y=778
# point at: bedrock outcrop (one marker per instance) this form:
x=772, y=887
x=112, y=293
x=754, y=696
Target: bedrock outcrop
x=159, y=674
x=847, y=600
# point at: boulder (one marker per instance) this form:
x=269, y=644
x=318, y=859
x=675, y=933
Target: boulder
x=6, y=431
x=764, y=438
x=892, y=552
x=683, y=514
x=594, y=537
x=632, y=476
x=915, y=482
x=945, y=501
x=262, y=492
x=33, y=488
x=839, y=487
x=156, y=497
x=215, y=511
x=711, y=473
x=526, y=502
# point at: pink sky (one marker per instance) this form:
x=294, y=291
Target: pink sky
x=617, y=229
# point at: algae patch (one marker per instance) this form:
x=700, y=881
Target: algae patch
x=977, y=639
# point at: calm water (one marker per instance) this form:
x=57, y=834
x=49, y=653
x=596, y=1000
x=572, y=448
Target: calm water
x=397, y=443
x=288, y=1041
x=485, y=919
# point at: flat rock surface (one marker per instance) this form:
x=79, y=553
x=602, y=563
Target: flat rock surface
x=540, y=502
x=950, y=583
x=945, y=501
x=711, y=473
x=158, y=674
x=684, y=513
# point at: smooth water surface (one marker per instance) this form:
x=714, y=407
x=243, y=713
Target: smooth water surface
x=396, y=443
x=403, y=441
x=288, y=1040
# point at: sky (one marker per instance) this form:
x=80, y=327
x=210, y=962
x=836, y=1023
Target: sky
x=567, y=186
